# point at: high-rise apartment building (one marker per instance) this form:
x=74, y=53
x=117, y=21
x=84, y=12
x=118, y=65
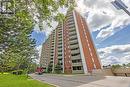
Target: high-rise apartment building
x=70, y=45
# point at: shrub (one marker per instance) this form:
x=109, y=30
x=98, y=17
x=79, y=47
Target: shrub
x=17, y=72
x=14, y=72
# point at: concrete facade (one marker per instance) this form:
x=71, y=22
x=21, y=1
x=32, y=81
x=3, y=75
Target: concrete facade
x=71, y=46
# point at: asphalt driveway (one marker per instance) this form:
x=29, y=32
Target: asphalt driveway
x=83, y=80
x=66, y=80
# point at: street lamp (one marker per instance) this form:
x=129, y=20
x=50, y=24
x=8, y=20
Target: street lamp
x=118, y=4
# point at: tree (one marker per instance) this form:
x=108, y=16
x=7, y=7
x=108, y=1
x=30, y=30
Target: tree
x=16, y=45
x=17, y=49
x=48, y=9
x=49, y=69
x=41, y=10
x=124, y=65
x=58, y=68
x=115, y=67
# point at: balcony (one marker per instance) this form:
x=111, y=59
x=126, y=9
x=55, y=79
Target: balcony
x=72, y=30
x=71, y=22
x=78, y=71
x=77, y=64
x=60, y=36
x=70, y=16
x=59, y=50
x=60, y=43
x=59, y=32
x=53, y=42
x=60, y=58
x=71, y=26
x=60, y=54
x=51, y=59
x=74, y=37
x=73, y=41
x=59, y=26
x=60, y=46
x=51, y=55
x=75, y=52
x=72, y=33
x=75, y=57
x=59, y=39
x=52, y=49
x=52, y=52
x=51, y=62
x=74, y=47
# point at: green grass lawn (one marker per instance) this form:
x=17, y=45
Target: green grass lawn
x=20, y=81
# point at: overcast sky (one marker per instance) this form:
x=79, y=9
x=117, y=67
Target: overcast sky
x=110, y=29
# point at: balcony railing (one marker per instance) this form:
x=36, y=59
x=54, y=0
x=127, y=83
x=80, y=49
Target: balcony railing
x=72, y=33
x=71, y=26
x=74, y=47
x=75, y=52
x=77, y=64
x=74, y=37
x=72, y=30
x=73, y=41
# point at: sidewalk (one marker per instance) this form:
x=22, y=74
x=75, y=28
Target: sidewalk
x=109, y=81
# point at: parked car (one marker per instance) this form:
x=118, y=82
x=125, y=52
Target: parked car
x=39, y=70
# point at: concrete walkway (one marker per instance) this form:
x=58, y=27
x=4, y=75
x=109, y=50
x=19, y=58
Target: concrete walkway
x=110, y=81
x=83, y=80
